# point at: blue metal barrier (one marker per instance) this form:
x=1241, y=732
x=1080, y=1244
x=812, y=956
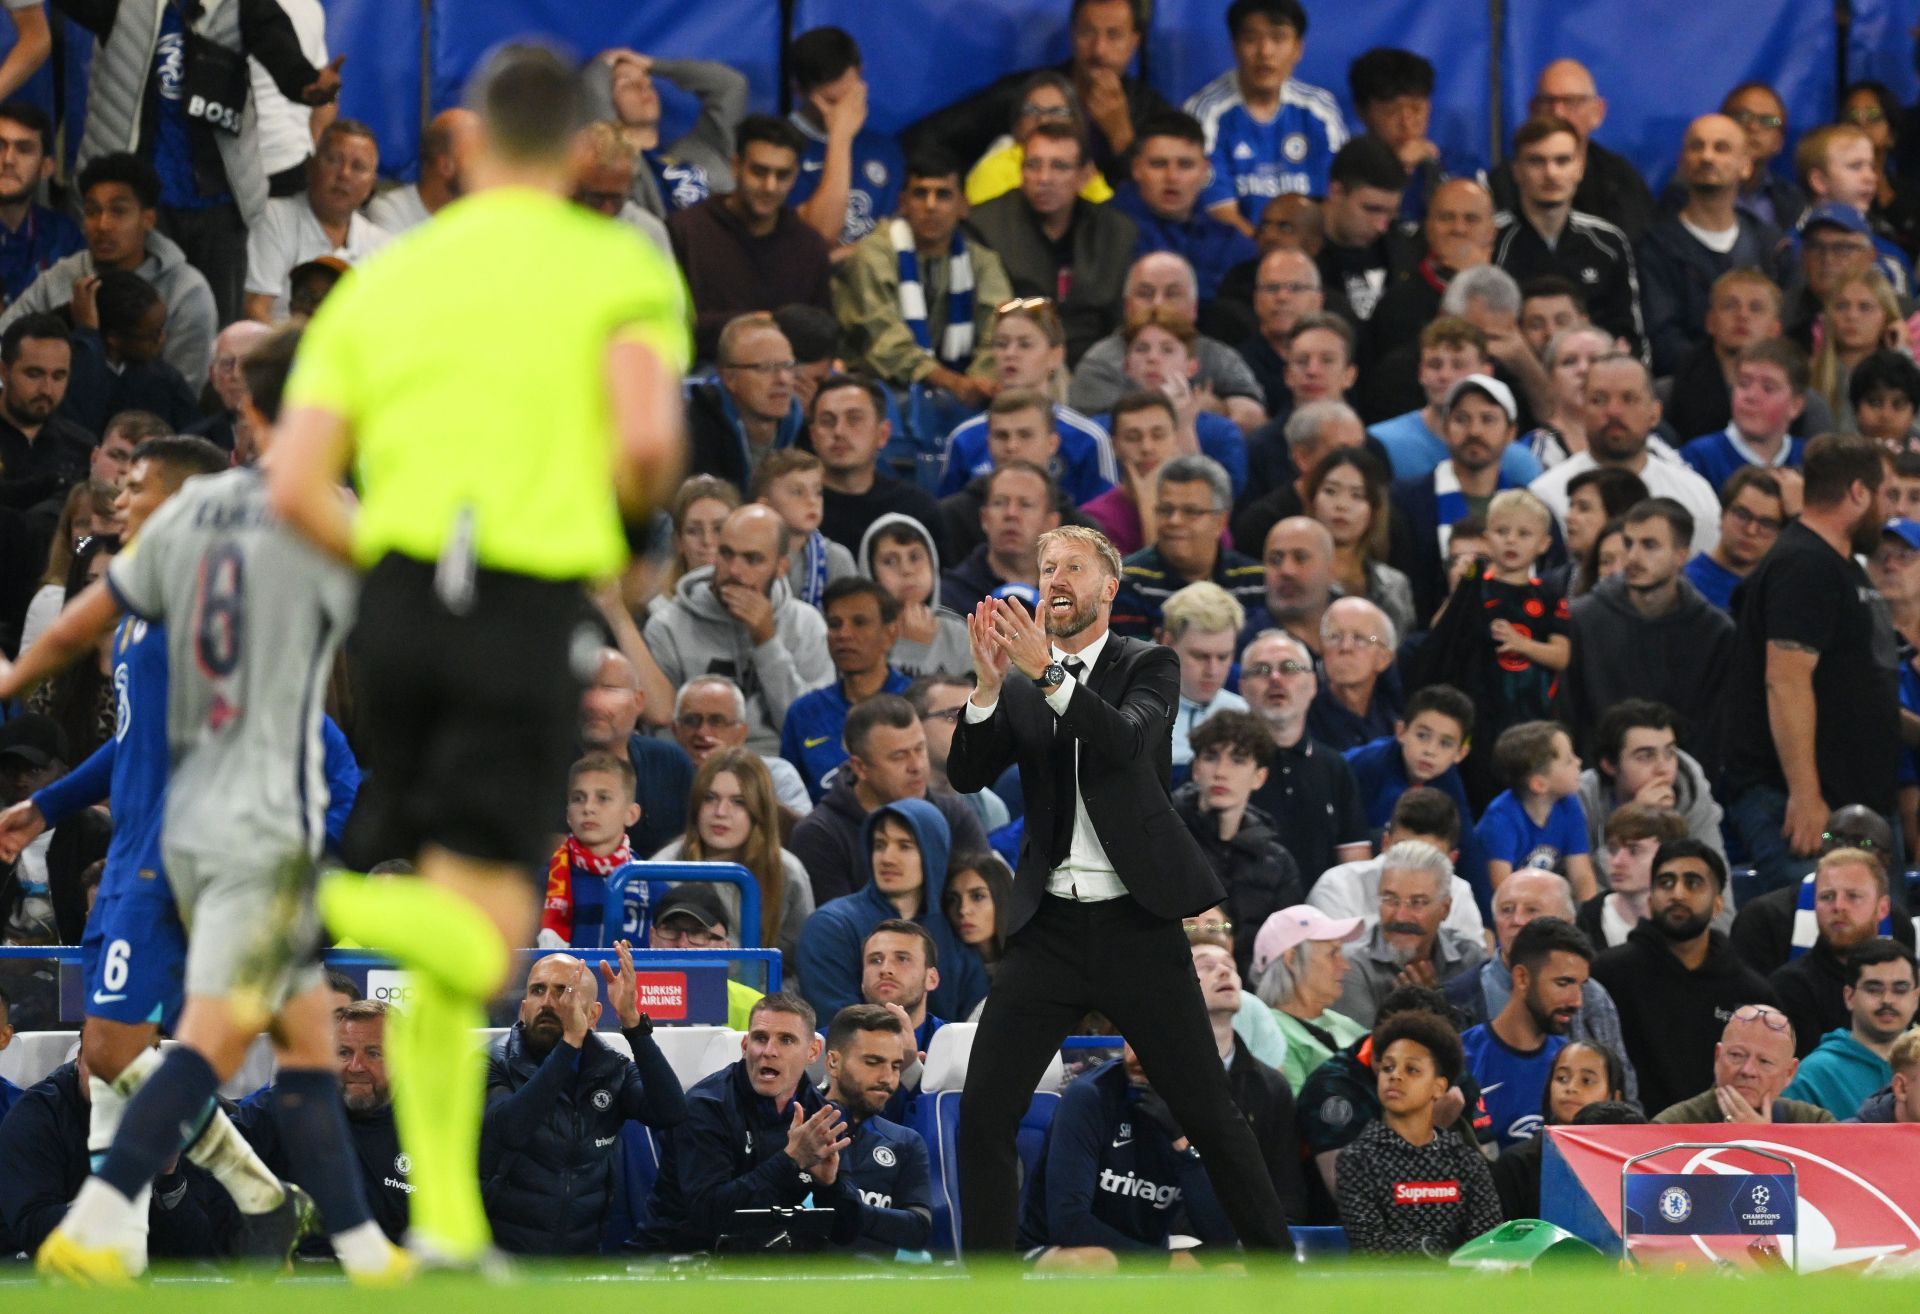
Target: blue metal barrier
x=746, y=935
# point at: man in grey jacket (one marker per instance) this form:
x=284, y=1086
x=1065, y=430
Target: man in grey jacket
x=737, y=618
x=119, y=199
x=684, y=172
x=1637, y=760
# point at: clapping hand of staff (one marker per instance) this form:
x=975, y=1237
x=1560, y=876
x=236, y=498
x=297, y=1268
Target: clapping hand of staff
x=812, y=1141
x=623, y=989
x=1021, y=636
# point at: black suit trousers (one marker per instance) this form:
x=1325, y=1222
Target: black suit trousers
x=1136, y=968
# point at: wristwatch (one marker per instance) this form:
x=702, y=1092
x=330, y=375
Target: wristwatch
x=1051, y=678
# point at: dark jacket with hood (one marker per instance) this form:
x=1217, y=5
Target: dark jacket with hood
x=1260, y=875
x=830, y=945
x=550, y=1143
x=1812, y=995
x=1670, y=1017
x=831, y=842
x=1680, y=659
x=716, y=442
x=1878, y=1107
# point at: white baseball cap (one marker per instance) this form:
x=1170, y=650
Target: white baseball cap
x=1497, y=392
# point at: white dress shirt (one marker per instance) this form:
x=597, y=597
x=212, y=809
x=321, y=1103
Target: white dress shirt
x=1087, y=876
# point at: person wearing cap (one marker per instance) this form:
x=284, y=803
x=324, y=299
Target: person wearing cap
x=1541, y=232
x=1621, y=410
x=308, y=285
x=1682, y=254
x=1837, y=167
x=1298, y=967
x=1479, y=418
x=692, y=916
x=323, y=220
x=1834, y=244
x=1676, y=978
x=1450, y=349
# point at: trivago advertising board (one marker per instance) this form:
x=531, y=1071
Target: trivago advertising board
x=1855, y=1188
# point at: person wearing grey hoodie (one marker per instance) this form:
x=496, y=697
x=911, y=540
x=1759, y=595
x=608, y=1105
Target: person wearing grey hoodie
x=130, y=243
x=1620, y=775
x=737, y=618
x=898, y=553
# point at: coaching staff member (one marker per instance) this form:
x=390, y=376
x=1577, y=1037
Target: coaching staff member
x=1106, y=872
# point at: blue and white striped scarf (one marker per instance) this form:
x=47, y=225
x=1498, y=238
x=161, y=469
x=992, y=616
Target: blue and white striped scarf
x=956, y=343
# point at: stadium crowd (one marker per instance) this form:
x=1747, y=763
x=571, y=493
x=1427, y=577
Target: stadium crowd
x=1542, y=557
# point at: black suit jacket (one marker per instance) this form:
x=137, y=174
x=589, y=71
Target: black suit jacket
x=1122, y=714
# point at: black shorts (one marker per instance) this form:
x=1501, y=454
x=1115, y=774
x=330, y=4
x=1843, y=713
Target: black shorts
x=472, y=720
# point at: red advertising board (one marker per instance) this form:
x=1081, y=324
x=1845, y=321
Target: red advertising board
x=1859, y=1185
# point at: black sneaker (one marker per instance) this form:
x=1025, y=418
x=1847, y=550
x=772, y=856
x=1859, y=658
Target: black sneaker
x=272, y=1236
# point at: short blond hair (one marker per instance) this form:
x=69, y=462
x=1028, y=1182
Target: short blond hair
x=1086, y=538
x=1519, y=502
x=1202, y=606
x=1816, y=148
x=1905, y=1052
x=1852, y=858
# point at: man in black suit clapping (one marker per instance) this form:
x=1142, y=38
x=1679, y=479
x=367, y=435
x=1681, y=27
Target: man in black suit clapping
x=1106, y=873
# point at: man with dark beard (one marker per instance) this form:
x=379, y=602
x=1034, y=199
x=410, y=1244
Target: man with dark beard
x=1676, y=980
x=1511, y=1055
x=1811, y=712
x=882, y=1199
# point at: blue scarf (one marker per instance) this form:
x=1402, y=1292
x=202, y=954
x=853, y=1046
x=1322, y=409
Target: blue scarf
x=956, y=342
x=813, y=571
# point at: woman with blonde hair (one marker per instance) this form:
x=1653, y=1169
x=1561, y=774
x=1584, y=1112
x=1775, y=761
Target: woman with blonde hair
x=1861, y=316
x=733, y=816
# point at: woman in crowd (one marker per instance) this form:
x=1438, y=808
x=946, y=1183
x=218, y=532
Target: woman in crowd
x=1402, y=1160
x=732, y=816
x=1584, y=1073
x=1873, y=108
x=1563, y=433
x=1347, y=492
x=1608, y=556
x=1862, y=316
x=1299, y=978
x=1162, y=356
x=1046, y=97
x=700, y=506
x=81, y=697
x=979, y=887
x=87, y=512
x=1593, y=498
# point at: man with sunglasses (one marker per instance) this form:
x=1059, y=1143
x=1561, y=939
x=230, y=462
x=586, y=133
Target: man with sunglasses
x=1852, y=1063
x=1753, y=1063
x=1676, y=979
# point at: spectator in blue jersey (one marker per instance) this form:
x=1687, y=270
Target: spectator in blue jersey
x=1424, y=749
x=1683, y=254
x=1769, y=388
x=32, y=237
x=1542, y=232
x=879, y=1188
x=1268, y=134
x=1191, y=498
x=1537, y=820
x=907, y=846
x=1028, y=342
x=1021, y=503
x=557, y=1097
x=756, y=1135
x=1393, y=96
x=671, y=175
x=1364, y=250
x=863, y=620
x=1853, y=1063
x=915, y=298
x=1162, y=357
x=1511, y=1054
x=1360, y=698
x=1752, y=514
x=1170, y=169
x=1020, y=427
x=750, y=408
x=1116, y=1177
x=850, y=175
x=1200, y=623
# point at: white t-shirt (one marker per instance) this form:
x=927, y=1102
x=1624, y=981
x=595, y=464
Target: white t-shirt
x=398, y=208
x=288, y=235
x=1663, y=478
x=286, y=129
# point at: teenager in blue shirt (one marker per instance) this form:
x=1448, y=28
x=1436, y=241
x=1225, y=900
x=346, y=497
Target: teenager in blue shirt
x=1752, y=513
x=863, y=620
x=850, y=175
x=1769, y=392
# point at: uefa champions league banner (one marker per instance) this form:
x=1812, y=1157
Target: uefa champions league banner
x=1857, y=1195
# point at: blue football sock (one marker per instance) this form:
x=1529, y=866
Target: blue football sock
x=313, y=1128
x=162, y=1118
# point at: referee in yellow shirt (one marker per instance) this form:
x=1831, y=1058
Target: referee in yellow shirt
x=504, y=384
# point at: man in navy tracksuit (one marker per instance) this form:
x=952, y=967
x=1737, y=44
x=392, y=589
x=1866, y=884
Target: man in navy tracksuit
x=887, y=1206
x=1116, y=1175
x=557, y=1096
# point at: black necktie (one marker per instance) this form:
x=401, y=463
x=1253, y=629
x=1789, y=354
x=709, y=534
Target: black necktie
x=1066, y=795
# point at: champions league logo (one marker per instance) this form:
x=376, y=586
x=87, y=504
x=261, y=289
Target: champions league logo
x=1675, y=1204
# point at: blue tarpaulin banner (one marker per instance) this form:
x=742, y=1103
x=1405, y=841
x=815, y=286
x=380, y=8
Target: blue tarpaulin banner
x=1707, y=1204
x=380, y=82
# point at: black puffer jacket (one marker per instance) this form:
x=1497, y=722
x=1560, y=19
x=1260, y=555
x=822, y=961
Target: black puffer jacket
x=1260, y=875
x=551, y=1140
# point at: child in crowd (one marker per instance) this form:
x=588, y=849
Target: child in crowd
x=1900, y=488
x=897, y=552
x=1537, y=821
x=1884, y=392
x=1427, y=749
x=1404, y=1186
x=791, y=481
x=587, y=876
x=1634, y=833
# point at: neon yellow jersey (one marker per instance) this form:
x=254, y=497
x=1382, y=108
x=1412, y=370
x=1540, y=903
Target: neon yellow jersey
x=469, y=359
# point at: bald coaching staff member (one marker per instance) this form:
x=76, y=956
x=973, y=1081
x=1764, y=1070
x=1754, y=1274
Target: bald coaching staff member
x=1106, y=872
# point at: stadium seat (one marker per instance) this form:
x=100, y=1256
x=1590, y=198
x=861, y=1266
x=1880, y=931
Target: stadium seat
x=686, y=1049
x=947, y=1053
x=937, y=1118
x=34, y=1054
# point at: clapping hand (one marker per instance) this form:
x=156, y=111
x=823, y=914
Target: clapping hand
x=811, y=1141
x=623, y=990
x=989, y=661
x=1021, y=637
